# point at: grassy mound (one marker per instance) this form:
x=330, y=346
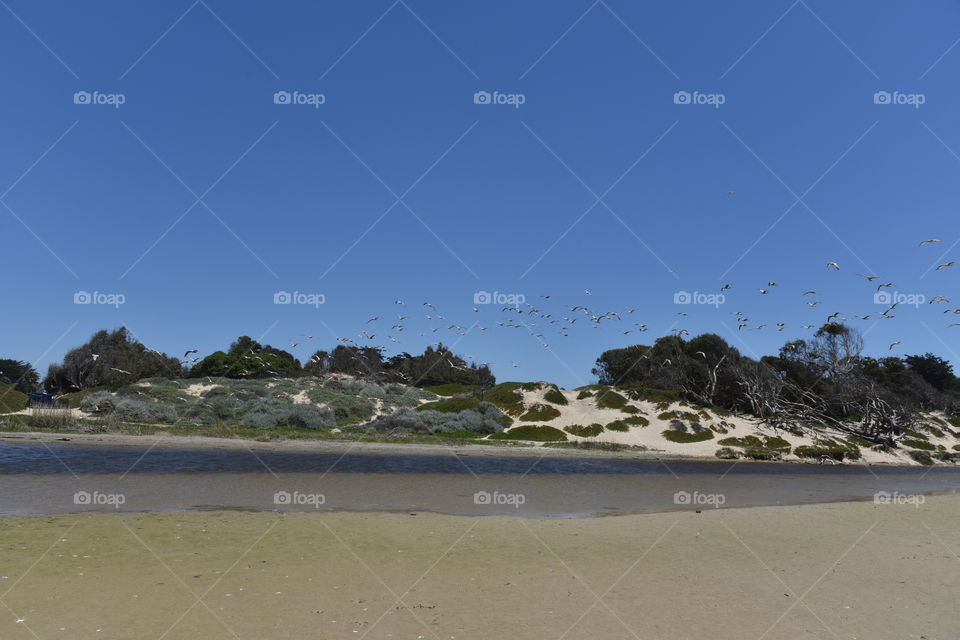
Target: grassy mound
x=831, y=449
x=533, y=433
x=589, y=431
x=553, y=395
x=11, y=400
x=687, y=436
x=540, y=413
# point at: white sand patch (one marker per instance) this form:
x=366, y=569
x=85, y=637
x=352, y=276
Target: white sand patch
x=197, y=389
x=585, y=412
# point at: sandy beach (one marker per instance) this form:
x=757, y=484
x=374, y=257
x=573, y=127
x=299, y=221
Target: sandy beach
x=847, y=570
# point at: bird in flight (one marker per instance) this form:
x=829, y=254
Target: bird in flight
x=834, y=265
x=930, y=241
x=946, y=264
x=894, y=343
x=869, y=278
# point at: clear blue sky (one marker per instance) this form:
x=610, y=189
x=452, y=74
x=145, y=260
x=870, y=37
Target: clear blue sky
x=494, y=197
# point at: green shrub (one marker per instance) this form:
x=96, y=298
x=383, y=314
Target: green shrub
x=918, y=444
x=758, y=445
x=629, y=408
x=828, y=449
x=507, y=396
x=936, y=433
x=726, y=453
x=451, y=405
x=485, y=418
x=452, y=389
x=267, y=414
x=555, y=396
x=130, y=410
x=637, y=421
x=540, y=413
x=762, y=454
x=99, y=403
x=589, y=394
x=684, y=437
x=921, y=457
x=649, y=394
x=610, y=399
x=618, y=425
x=531, y=432
x=585, y=432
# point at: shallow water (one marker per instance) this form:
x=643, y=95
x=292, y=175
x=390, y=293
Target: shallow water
x=52, y=478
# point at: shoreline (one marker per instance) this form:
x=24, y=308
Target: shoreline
x=318, y=445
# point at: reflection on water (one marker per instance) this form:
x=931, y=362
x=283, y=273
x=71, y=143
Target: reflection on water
x=37, y=478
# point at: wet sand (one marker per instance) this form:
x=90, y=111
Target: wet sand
x=845, y=570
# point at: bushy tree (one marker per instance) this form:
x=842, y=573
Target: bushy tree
x=21, y=375
x=247, y=358
x=433, y=367
x=111, y=359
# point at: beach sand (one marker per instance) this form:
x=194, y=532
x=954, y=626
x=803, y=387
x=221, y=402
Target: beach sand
x=843, y=570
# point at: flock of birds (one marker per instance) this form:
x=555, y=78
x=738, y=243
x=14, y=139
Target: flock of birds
x=544, y=318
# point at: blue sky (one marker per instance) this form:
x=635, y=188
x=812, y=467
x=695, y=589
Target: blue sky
x=199, y=198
